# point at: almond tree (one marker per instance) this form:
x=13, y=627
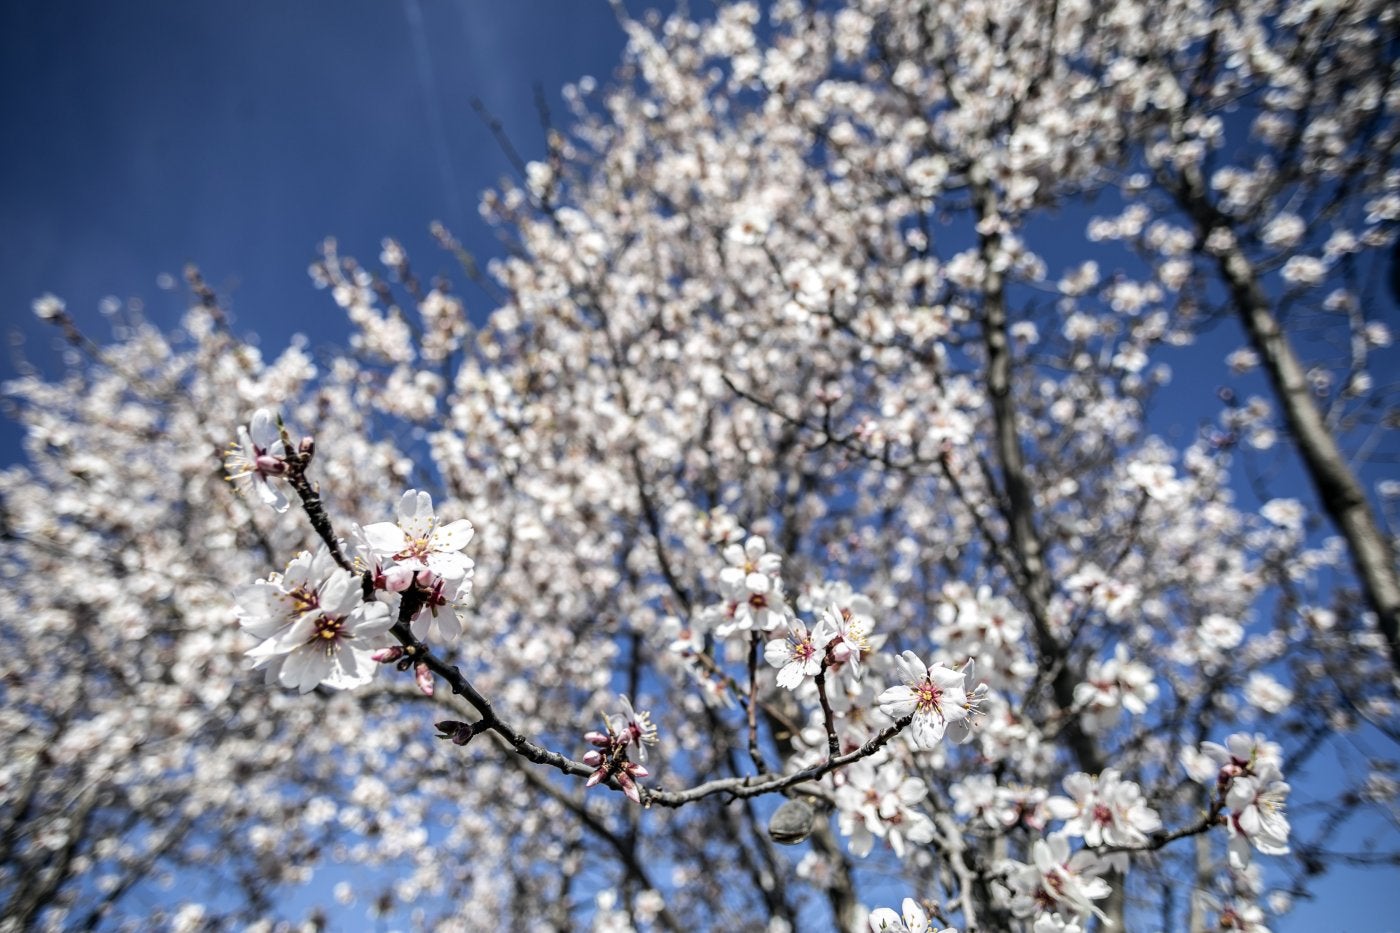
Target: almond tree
x=792, y=480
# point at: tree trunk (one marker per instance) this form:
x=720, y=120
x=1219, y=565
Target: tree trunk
x=1336, y=485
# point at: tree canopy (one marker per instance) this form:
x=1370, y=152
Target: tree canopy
x=810, y=470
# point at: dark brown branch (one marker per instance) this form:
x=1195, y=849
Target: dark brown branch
x=833, y=745
x=1333, y=480
x=1025, y=540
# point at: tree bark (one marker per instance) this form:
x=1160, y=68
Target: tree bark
x=1342, y=496
x=1035, y=582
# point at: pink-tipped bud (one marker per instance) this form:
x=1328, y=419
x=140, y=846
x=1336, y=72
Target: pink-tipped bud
x=629, y=787
x=593, y=758
x=268, y=465
x=636, y=770
x=423, y=676
x=398, y=579
x=595, y=777
x=600, y=739
x=841, y=652
x=387, y=655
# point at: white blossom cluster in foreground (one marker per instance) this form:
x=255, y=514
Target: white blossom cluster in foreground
x=326, y=621
x=319, y=625
x=911, y=453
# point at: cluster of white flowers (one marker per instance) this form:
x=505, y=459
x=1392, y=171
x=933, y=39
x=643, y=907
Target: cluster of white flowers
x=1093, y=587
x=1158, y=480
x=752, y=587
x=986, y=627
x=999, y=806
x=880, y=803
x=321, y=623
x=1246, y=774
x=911, y=919
x=1057, y=885
x=315, y=624
x=1113, y=686
x=417, y=551
x=1106, y=811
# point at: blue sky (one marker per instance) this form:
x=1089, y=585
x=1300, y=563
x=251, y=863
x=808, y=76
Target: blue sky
x=142, y=136
x=147, y=135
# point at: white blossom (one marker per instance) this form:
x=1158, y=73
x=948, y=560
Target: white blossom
x=1056, y=881
x=802, y=653
x=933, y=696
x=316, y=630
x=911, y=919
x=259, y=456
x=418, y=542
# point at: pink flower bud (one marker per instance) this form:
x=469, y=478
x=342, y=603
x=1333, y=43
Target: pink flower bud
x=593, y=759
x=387, y=655
x=398, y=579
x=629, y=787
x=268, y=465
x=600, y=739
x=424, y=678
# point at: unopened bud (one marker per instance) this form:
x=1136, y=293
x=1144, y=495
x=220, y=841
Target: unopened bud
x=424, y=678
x=792, y=823
x=387, y=655
x=398, y=579
x=629, y=787
x=268, y=465
x=459, y=732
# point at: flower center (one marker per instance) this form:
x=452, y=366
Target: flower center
x=303, y=600
x=418, y=548
x=328, y=627
x=927, y=696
